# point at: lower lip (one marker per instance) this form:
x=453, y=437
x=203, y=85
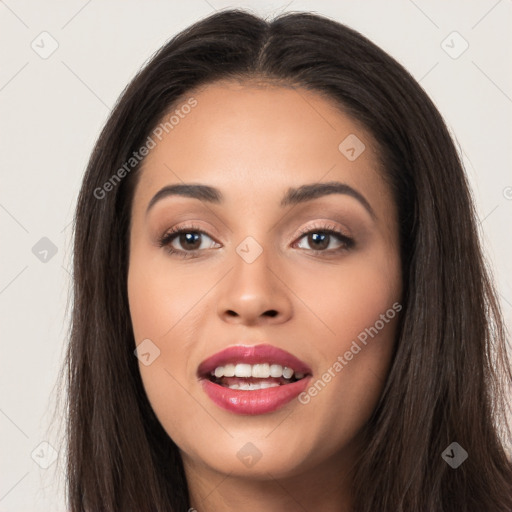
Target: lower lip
x=259, y=401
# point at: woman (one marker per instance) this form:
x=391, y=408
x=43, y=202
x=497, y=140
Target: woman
x=280, y=299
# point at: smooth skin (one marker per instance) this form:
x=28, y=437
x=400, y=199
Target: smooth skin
x=309, y=294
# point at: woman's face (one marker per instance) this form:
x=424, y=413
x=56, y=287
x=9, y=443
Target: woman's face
x=269, y=257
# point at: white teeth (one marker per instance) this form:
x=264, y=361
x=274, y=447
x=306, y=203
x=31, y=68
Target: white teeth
x=265, y=385
x=253, y=386
x=229, y=370
x=287, y=372
x=276, y=370
x=260, y=371
x=241, y=370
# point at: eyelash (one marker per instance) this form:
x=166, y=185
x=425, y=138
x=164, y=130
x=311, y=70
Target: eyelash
x=169, y=236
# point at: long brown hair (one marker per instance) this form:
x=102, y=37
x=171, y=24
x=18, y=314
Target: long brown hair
x=450, y=377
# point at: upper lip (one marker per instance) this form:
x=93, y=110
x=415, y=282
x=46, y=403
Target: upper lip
x=252, y=354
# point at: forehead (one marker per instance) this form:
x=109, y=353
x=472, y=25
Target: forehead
x=257, y=138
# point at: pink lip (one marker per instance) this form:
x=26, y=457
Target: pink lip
x=259, y=401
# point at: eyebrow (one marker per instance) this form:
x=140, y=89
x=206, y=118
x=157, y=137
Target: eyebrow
x=293, y=196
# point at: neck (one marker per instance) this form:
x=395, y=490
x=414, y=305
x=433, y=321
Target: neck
x=324, y=487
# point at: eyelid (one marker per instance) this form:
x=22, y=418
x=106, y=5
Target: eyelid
x=324, y=226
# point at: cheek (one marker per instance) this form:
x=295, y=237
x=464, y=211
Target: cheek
x=160, y=297
x=360, y=305
x=352, y=298
x=161, y=306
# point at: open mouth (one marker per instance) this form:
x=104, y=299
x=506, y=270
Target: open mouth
x=253, y=379
x=247, y=377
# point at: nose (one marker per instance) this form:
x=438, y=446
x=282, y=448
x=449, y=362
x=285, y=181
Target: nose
x=254, y=294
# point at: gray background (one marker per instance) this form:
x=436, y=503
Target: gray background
x=52, y=109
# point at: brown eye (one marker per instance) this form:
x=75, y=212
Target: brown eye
x=318, y=241
x=186, y=241
x=325, y=240
x=189, y=240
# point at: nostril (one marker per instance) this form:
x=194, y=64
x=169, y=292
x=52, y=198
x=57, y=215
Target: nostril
x=272, y=313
